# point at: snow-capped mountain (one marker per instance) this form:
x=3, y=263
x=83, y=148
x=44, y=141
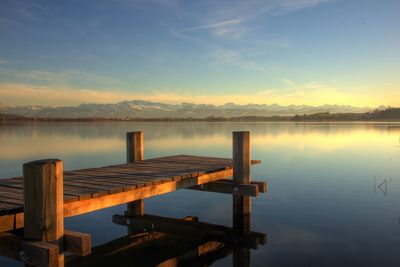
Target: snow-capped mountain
x=148, y=109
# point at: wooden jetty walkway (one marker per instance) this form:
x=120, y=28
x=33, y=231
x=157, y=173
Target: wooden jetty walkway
x=33, y=207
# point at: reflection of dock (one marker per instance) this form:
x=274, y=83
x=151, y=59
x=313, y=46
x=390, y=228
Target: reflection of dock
x=160, y=241
x=39, y=201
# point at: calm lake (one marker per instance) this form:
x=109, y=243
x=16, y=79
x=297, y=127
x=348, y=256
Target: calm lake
x=333, y=188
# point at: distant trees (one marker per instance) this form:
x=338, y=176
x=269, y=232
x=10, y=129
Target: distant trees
x=389, y=114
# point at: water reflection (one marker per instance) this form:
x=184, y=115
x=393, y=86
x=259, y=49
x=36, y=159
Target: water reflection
x=321, y=209
x=164, y=241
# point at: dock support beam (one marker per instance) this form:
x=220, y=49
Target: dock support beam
x=241, y=204
x=44, y=205
x=134, y=153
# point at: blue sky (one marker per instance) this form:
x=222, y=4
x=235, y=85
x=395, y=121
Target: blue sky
x=274, y=51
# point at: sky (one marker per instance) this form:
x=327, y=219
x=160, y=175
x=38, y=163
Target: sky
x=302, y=52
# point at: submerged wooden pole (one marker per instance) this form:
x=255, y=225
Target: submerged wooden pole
x=44, y=205
x=134, y=153
x=241, y=204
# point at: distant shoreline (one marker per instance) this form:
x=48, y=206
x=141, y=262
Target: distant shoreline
x=387, y=115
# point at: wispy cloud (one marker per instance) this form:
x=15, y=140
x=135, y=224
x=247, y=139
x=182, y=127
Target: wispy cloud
x=230, y=28
x=292, y=5
x=228, y=19
x=3, y=61
x=224, y=56
x=216, y=25
x=234, y=21
x=59, y=77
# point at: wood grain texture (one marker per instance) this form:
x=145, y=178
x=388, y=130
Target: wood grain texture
x=84, y=206
x=91, y=183
x=43, y=200
x=241, y=157
x=44, y=203
x=135, y=153
x=241, y=205
x=134, y=146
x=77, y=243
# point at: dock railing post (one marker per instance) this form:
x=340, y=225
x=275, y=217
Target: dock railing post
x=44, y=205
x=134, y=153
x=241, y=204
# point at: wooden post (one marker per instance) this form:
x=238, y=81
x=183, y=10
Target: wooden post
x=134, y=153
x=241, y=175
x=241, y=204
x=44, y=204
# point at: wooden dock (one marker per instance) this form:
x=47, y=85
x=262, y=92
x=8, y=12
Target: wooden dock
x=38, y=201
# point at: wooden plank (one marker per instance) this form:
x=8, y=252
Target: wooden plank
x=9, y=208
x=9, y=200
x=10, y=194
x=161, y=167
x=7, y=222
x=18, y=190
x=139, y=174
x=111, y=178
x=86, y=184
x=77, y=243
x=78, y=193
x=11, y=221
x=146, y=179
x=262, y=185
x=125, y=184
x=194, y=159
x=33, y=253
x=80, y=207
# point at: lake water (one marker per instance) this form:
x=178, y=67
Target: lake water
x=333, y=188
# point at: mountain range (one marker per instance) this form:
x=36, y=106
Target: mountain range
x=148, y=109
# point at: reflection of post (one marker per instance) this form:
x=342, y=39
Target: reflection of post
x=134, y=152
x=241, y=204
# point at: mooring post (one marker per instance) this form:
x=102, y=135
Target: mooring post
x=44, y=205
x=134, y=153
x=241, y=204
x=241, y=175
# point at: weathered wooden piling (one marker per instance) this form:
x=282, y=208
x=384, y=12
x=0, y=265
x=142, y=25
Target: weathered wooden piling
x=241, y=209
x=44, y=205
x=241, y=175
x=134, y=153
